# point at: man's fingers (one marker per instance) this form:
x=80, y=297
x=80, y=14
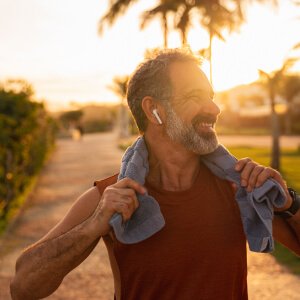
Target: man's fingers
x=246, y=172
x=129, y=183
x=269, y=173
x=241, y=163
x=263, y=176
x=125, y=208
x=254, y=175
x=252, y=181
x=131, y=194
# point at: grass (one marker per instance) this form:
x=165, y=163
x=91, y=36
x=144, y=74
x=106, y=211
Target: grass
x=290, y=170
x=290, y=161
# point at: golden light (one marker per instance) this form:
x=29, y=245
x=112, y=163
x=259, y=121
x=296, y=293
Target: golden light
x=55, y=46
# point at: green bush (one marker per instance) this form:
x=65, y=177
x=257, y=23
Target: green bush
x=26, y=135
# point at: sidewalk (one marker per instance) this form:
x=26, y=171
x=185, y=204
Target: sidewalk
x=71, y=170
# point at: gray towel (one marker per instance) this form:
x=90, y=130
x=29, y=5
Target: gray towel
x=256, y=207
x=147, y=219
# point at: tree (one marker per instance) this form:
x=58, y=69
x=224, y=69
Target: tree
x=119, y=87
x=215, y=17
x=26, y=134
x=182, y=19
x=273, y=83
x=117, y=8
x=70, y=118
x=162, y=10
x=290, y=89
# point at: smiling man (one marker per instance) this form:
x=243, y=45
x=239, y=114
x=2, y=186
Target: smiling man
x=201, y=251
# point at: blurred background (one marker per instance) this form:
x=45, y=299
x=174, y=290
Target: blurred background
x=64, y=67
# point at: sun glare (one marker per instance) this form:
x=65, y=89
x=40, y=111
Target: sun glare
x=261, y=43
x=66, y=60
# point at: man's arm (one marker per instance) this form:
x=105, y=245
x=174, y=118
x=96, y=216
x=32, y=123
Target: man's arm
x=286, y=232
x=41, y=268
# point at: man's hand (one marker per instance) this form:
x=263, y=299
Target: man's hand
x=119, y=197
x=254, y=175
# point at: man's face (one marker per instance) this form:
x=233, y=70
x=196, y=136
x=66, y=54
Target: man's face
x=191, y=113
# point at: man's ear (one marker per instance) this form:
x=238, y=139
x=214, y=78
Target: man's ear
x=153, y=111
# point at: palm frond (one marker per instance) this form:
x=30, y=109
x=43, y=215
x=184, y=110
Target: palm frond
x=119, y=86
x=297, y=46
x=263, y=75
x=116, y=9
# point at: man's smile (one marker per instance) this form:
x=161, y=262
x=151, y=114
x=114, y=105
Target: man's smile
x=207, y=127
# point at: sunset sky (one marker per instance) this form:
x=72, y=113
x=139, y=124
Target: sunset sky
x=54, y=45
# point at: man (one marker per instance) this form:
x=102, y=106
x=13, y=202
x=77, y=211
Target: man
x=201, y=251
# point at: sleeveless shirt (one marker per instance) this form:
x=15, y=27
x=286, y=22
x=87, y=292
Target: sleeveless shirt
x=199, y=254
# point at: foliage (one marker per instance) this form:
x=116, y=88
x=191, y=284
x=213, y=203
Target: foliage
x=116, y=9
x=26, y=134
x=119, y=86
x=214, y=16
x=100, y=125
x=70, y=117
x=162, y=10
x=290, y=90
x=273, y=82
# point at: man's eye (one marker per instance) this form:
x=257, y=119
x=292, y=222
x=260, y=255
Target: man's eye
x=198, y=99
x=195, y=99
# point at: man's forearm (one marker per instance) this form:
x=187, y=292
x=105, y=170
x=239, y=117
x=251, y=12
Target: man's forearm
x=294, y=223
x=42, y=267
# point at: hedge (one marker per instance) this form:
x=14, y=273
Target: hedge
x=26, y=135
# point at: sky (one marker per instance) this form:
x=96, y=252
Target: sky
x=54, y=44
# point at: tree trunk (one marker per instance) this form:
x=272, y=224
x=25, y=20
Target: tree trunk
x=123, y=122
x=275, y=157
x=165, y=28
x=183, y=37
x=210, y=54
x=288, y=116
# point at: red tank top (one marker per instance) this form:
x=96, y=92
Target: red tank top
x=199, y=254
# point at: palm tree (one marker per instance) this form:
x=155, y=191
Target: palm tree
x=215, y=17
x=119, y=87
x=183, y=18
x=117, y=8
x=291, y=88
x=162, y=10
x=273, y=82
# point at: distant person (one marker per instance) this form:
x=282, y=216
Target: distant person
x=80, y=130
x=200, y=253
x=77, y=132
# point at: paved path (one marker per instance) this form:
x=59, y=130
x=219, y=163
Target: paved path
x=259, y=141
x=69, y=172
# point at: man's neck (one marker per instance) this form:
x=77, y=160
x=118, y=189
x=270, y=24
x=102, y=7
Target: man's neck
x=172, y=166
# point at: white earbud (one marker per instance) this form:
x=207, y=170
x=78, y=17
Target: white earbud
x=155, y=113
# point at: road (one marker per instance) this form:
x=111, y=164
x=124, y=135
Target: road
x=71, y=170
x=259, y=141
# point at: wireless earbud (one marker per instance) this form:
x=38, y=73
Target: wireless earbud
x=155, y=113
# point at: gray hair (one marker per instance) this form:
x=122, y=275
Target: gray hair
x=151, y=78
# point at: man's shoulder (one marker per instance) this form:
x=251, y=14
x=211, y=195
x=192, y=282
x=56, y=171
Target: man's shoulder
x=102, y=184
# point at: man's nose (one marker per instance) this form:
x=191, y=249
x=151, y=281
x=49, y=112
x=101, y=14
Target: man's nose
x=211, y=108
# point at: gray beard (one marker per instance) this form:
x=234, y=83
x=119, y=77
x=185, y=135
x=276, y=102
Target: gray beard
x=187, y=135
